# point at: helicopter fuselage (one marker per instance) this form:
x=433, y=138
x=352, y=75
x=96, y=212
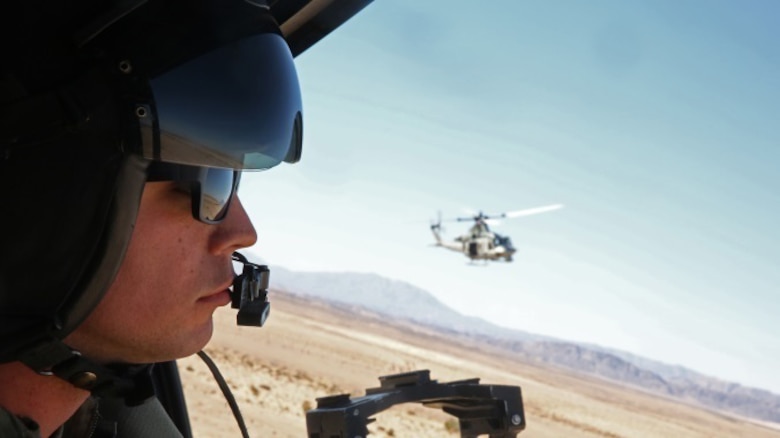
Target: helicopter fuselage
x=485, y=246
x=481, y=243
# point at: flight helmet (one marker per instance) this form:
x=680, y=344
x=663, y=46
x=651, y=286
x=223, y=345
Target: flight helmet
x=96, y=98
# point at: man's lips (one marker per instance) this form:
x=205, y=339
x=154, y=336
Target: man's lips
x=219, y=298
x=221, y=295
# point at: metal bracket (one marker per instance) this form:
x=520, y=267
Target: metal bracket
x=493, y=410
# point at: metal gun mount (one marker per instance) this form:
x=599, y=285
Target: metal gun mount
x=493, y=410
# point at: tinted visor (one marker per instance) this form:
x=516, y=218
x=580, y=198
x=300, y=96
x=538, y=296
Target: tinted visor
x=236, y=107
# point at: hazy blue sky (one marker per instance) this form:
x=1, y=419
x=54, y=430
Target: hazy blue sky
x=655, y=123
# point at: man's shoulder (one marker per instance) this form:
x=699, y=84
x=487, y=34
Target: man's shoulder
x=12, y=426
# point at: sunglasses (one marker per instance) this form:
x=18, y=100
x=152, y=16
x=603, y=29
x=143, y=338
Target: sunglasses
x=211, y=188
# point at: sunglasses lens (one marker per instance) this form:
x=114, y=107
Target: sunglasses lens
x=215, y=193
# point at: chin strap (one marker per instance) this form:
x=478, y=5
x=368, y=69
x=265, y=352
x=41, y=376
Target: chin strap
x=133, y=383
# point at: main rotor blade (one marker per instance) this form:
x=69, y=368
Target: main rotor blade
x=532, y=211
x=472, y=214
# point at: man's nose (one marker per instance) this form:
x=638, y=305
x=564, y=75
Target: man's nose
x=235, y=231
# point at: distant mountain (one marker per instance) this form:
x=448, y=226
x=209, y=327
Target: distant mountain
x=389, y=297
x=402, y=301
x=667, y=380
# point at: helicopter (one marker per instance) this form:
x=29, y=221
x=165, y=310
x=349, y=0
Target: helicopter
x=481, y=243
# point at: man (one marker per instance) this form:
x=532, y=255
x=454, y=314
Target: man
x=147, y=315
x=124, y=127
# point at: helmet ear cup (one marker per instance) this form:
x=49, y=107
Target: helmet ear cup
x=55, y=210
x=69, y=207
x=111, y=244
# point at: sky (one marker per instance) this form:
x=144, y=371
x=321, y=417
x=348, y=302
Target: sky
x=655, y=123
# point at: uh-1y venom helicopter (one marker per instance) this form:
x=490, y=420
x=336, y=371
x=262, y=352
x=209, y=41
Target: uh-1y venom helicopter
x=480, y=243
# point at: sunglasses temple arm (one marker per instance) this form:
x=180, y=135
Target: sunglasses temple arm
x=250, y=293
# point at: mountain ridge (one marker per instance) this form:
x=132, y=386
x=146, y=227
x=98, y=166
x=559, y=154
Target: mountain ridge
x=401, y=300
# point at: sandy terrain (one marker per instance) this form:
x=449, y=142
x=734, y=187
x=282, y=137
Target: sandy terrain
x=309, y=350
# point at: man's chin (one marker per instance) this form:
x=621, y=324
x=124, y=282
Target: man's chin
x=189, y=344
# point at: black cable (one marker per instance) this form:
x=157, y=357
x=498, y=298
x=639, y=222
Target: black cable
x=225, y=391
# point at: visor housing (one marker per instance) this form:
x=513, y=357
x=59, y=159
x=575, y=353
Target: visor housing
x=238, y=107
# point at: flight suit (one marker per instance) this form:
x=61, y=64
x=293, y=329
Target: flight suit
x=12, y=426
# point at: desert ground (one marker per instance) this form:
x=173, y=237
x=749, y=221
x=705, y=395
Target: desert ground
x=310, y=349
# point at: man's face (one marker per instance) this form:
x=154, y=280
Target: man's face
x=174, y=276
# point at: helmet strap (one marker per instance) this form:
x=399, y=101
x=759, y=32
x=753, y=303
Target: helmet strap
x=52, y=357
